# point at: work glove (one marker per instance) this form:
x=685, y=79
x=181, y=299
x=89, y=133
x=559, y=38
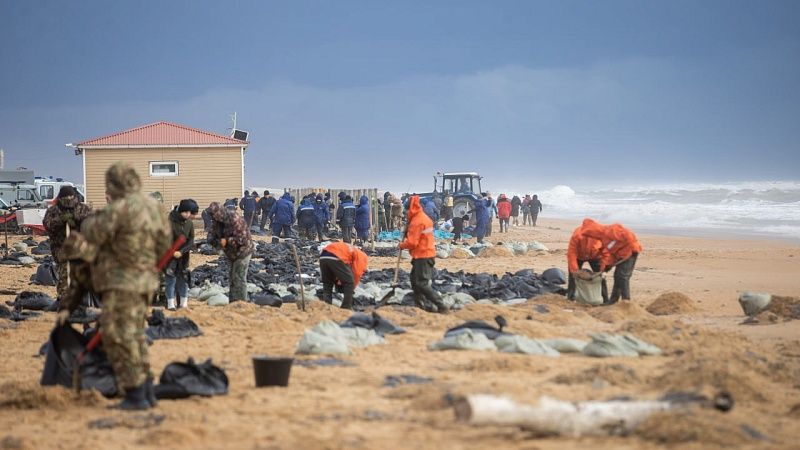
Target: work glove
x=177, y=255
x=76, y=247
x=223, y=242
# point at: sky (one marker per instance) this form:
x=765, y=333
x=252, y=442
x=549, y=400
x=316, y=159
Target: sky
x=384, y=94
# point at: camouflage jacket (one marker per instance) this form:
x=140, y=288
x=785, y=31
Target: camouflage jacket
x=130, y=236
x=56, y=219
x=234, y=230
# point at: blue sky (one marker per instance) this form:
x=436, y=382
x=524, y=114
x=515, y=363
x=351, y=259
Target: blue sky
x=386, y=93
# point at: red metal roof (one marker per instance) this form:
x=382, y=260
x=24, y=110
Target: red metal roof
x=162, y=133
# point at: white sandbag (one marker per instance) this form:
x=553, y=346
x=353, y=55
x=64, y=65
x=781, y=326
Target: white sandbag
x=20, y=247
x=605, y=345
x=218, y=300
x=469, y=340
x=457, y=300
x=589, y=291
x=314, y=343
x=252, y=288
x=754, y=302
x=328, y=337
x=27, y=260
x=565, y=345
x=361, y=337
x=208, y=290
x=519, y=248
x=537, y=246
x=512, y=343
x=461, y=253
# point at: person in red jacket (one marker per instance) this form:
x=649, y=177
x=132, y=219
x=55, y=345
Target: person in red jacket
x=585, y=249
x=503, y=212
x=342, y=264
x=420, y=243
x=621, y=248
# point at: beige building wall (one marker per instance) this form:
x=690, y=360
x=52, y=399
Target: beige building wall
x=204, y=174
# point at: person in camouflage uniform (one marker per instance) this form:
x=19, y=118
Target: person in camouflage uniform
x=66, y=212
x=123, y=243
x=230, y=232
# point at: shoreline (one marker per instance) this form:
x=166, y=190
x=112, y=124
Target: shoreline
x=694, y=232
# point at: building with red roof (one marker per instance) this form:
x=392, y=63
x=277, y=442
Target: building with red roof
x=174, y=160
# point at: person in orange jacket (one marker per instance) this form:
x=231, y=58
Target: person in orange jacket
x=420, y=243
x=621, y=248
x=503, y=212
x=342, y=264
x=585, y=249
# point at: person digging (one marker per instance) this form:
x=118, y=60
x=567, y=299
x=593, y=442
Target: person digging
x=341, y=264
x=420, y=243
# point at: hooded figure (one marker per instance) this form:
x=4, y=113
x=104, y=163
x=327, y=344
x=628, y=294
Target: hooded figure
x=230, y=233
x=248, y=205
x=306, y=219
x=583, y=248
x=176, y=274
x=421, y=245
x=282, y=218
x=346, y=217
x=341, y=264
x=516, y=202
x=621, y=248
x=362, y=218
x=536, y=208
x=123, y=244
x=430, y=209
x=266, y=204
x=503, y=212
x=322, y=214
x=67, y=212
x=481, y=218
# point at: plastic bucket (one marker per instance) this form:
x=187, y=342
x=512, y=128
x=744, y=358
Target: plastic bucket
x=272, y=371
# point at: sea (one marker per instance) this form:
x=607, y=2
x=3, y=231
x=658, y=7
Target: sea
x=768, y=209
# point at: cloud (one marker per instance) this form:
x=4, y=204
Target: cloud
x=518, y=126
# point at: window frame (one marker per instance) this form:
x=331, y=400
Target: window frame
x=170, y=174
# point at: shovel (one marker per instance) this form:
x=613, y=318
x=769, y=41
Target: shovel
x=390, y=294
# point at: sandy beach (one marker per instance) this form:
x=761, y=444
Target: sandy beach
x=706, y=350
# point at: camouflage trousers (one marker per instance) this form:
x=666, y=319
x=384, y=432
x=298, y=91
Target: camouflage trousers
x=62, y=289
x=123, y=324
x=238, y=278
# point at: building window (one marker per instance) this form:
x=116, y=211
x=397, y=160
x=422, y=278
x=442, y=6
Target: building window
x=163, y=168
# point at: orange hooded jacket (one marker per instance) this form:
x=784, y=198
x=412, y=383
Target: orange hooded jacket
x=419, y=237
x=583, y=247
x=619, y=243
x=350, y=255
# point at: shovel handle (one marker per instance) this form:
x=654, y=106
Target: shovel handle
x=397, y=267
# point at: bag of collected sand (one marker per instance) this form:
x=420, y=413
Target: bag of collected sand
x=589, y=290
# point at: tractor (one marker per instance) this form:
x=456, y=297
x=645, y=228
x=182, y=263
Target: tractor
x=465, y=187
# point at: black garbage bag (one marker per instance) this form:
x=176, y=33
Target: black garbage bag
x=16, y=315
x=479, y=326
x=162, y=327
x=182, y=380
x=554, y=275
x=35, y=301
x=63, y=348
x=266, y=299
x=372, y=322
x=45, y=274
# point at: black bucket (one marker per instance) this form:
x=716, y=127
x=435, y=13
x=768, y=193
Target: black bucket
x=271, y=371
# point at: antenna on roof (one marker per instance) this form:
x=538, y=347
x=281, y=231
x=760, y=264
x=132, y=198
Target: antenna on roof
x=236, y=133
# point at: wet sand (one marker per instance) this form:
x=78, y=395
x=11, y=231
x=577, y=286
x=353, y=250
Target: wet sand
x=706, y=350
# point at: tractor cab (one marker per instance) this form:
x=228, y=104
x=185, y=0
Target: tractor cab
x=465, y=183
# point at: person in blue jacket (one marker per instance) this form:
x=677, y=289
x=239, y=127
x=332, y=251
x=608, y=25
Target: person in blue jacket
x=346, y=218
x=481, y=218
x=322, y=215
x=430, y=210
x=282, y=217
x=306, y=219
x=248, y=205
x=362, y=219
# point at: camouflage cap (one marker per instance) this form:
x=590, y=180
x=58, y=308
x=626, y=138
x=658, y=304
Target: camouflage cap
x=122, y=179
x=216, y=212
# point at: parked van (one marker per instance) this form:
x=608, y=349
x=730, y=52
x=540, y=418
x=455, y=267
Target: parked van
x=48, y=188
x=21, y=196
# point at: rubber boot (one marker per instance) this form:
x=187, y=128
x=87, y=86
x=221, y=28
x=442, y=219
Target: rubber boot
x=150, y=393
x=184, y=302
x=171, y=304
x=135, y=399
